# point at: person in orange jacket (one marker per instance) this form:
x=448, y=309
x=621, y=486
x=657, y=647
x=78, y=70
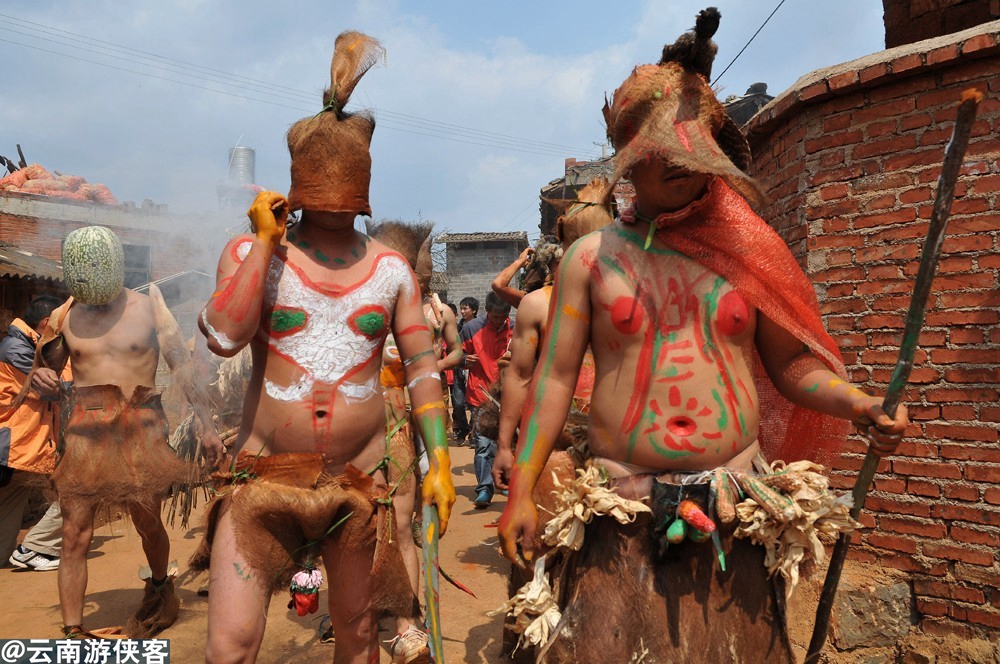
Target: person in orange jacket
x=27, y=441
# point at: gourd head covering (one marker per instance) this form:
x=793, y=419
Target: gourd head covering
x=93, y=265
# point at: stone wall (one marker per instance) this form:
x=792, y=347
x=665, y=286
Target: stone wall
x=472, y=266
x=851, y=156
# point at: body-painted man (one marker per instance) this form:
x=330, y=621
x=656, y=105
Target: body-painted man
x=699, y=320
x=315, y=303
x=409, y=455
x=583, y=216
x=114, y=449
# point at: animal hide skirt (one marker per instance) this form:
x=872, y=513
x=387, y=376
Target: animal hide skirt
x=285, y=506
x=670, y=604
x=114, y=449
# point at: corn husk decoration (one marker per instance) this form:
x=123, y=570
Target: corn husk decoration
x=533, y=608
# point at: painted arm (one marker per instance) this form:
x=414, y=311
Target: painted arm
x=501, y=284
x=802, y=379
x=181, y=364
x=449, y=332
x=549, y=398
x=517, y=380
x=416, y=347
x=232, y=315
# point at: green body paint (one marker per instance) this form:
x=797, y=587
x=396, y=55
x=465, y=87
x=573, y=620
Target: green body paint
x=811, y=389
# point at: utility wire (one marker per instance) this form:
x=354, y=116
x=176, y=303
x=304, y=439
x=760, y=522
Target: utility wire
x=748, y=43
x=457, y=133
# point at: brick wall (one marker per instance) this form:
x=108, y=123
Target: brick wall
x=851, y=157
x=908, y=21
x=472, y=266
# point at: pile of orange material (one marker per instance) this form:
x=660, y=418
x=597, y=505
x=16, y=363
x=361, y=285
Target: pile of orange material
x=34, y=179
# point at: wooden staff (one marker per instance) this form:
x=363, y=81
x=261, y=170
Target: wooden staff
x=954, y=153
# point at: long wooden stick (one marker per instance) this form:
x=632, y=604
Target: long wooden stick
x=954, y=153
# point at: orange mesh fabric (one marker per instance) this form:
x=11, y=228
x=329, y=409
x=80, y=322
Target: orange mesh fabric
x=721, y=232
x=331, y=165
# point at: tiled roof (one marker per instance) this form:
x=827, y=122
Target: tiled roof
x=17, y=263
x=459, y=238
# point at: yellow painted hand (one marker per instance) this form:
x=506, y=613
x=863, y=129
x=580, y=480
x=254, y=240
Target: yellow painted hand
x=268, y=214
x=438, y=488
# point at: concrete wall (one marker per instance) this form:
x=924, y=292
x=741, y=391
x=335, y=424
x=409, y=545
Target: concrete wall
x=851, y=156
x=472, y=266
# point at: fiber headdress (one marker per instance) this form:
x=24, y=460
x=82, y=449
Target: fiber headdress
x=331, y=165
x=590, y=211
x=668, y=111
x=411, y=240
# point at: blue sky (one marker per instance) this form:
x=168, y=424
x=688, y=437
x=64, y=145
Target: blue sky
x=478, y=105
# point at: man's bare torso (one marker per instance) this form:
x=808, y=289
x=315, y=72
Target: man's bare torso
x=317, y=355
x=673, y=345
x=113, y=344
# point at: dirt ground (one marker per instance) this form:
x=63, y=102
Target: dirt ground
x=469, y=553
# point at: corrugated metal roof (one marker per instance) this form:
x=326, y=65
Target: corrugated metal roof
x=17, y=263
x=456, y=238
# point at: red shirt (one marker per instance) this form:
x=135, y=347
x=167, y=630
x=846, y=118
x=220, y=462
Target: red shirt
x=489, y=345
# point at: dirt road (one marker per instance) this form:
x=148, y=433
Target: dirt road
x=469, y=553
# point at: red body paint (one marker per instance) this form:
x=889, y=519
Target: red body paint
x=733, y=314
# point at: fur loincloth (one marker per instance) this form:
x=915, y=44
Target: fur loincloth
x=705, y=597
x=283, y=506
x=114, y=449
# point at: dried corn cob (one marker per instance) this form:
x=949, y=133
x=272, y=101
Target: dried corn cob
x=787, y=483
x=776, y=504
x=725, y=496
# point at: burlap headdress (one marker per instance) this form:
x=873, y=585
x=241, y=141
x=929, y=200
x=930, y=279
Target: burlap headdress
x=668, y=111
x=331, y=165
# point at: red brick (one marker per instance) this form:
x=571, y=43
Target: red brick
x=906, y=160
x=966, y=492
x=931, y=608
x=955, y=413
x=975, y=536
x=976, y=473
x=892, y=145
x=964, y=356
x=987, y=185
x=935, y=137
x=832, y=209
x=833, y=191
x=961, y=432
x=925, y=469
x=976, y=574
x=973, y=375
x=918, y=195
x=890, y=356
x=983, y=223
x=992, y=496
x=907, y=62
x=980, y=299
x=912, y=526
x=979, y=45
x=881, y=253
x=964, y=554
x=834, y=175
x=836, y=122
x=919, y=449
x=989, y=414
x=883, y=202
x=967, y=336
x=884, y=288
x=882, y=182
x=955, y=245
x=897, y=506
x=962, y=318
x=818, y=89
x=943, y=54
x=876, y=129
x=946, y=628
x=983, y=616
x=884, y=272
x=893, y=234
x=946, y=590
x=891, y=303
x=915, y=121
x=976, y=514
x=909, y=564
x=880, y=321
x=963, y=281
x=864, y=557
x=830, y=158
x=952, y=264
x=936, y=97
x=873, y=72
x=970, y=206
x=922, y=488
x=843, y=81
x=918, y=412
x=833, y=140
x=890, y=485
x=943, y=395
x=891, y=542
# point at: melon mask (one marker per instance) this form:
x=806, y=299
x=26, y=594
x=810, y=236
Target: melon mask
x=93, y=265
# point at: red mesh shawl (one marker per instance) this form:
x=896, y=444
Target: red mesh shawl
x=722, y=233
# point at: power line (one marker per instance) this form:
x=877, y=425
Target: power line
x=748, y=43
x=392, y=120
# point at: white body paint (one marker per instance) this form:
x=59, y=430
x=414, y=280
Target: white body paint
x=327, y=349
x=225, y=343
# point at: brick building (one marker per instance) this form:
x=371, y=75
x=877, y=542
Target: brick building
x=157, y=246
x=473, y=260
x=850, y=155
